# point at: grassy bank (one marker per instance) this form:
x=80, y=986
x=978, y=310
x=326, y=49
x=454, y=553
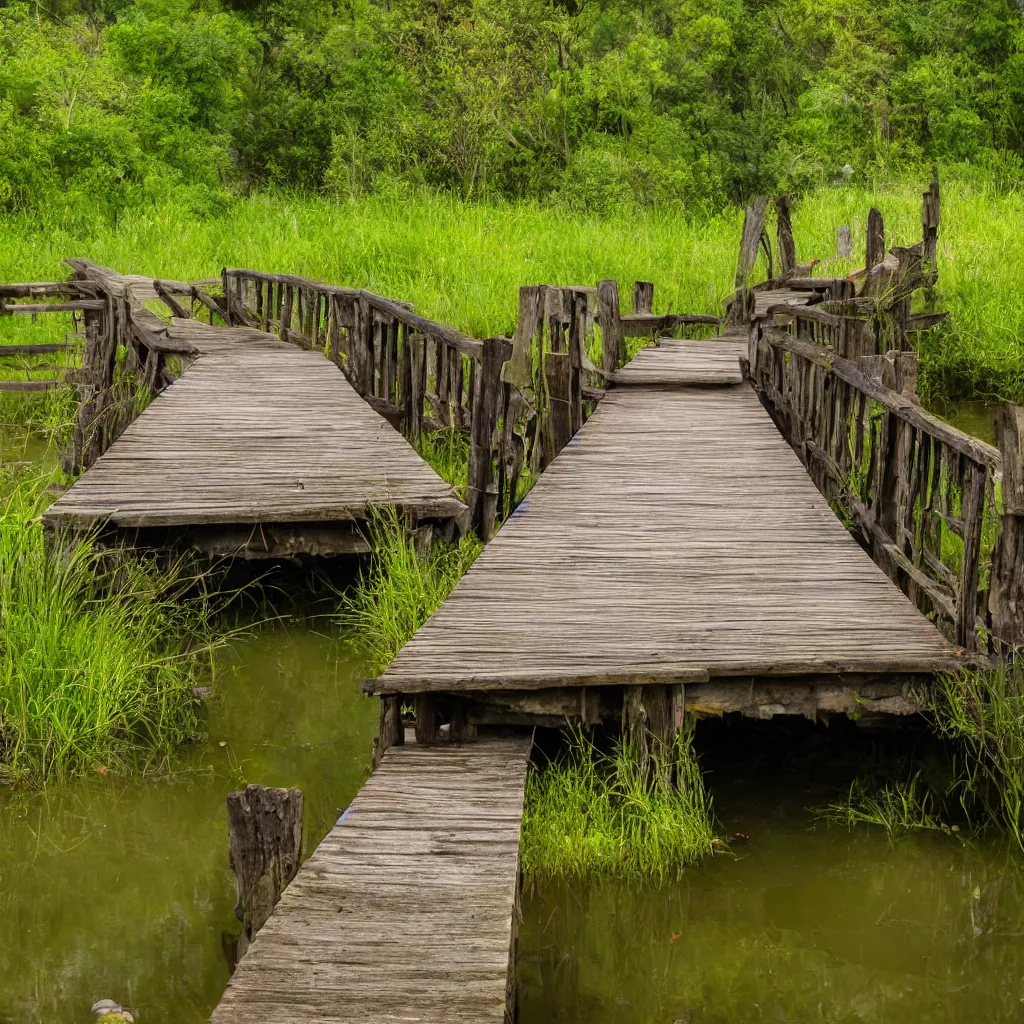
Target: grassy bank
x=99, y=657
x=462, y=263
x=591, y=814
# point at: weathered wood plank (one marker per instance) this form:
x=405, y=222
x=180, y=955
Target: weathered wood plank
x=405, y=911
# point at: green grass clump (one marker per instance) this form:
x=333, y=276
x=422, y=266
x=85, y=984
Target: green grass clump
x=899, y=808
x=596, y=815
x=400, y=588
x=98, y=654
x=983, y=712
x=447, y=451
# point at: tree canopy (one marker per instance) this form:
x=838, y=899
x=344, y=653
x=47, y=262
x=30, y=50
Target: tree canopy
x=587, y=102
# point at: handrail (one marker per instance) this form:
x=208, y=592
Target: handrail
x=918, y=490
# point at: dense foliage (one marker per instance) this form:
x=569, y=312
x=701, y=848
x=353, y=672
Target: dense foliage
x=591, y=103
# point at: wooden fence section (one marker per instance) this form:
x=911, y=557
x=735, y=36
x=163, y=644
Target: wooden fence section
x=920, y=493
x=407, y=911
x=76, y=298
x=418, y=374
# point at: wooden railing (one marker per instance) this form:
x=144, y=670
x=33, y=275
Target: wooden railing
x=518, y=401
x=125, y=362
x=920, y=494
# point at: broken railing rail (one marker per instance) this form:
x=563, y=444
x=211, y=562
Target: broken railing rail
x=125, y=362
x=921, y=494
x=883, y=288
x=62, y=297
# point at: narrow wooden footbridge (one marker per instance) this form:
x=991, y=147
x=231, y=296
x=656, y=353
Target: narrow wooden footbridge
x=760, y=521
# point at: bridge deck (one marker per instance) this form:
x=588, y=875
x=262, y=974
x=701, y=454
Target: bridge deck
x=677, y=538
x=405, y=910
x=254, y=431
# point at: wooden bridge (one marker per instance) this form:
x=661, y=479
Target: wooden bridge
x=680, y=550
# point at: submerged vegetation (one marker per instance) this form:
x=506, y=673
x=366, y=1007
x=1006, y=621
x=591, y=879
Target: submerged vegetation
x=99, y=655
x=591, y=814
x=896, y=807
x=400, y=588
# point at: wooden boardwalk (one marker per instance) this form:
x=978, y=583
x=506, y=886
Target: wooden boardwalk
x=676, y=539
x=405, y=911
x=256, y=431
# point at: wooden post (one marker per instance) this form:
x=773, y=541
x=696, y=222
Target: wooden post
x=876, y=239
x=784, y=234
x=265, y=847
x=613, y=344
x=479, y=491
x=286, y=311
x=227, y=295
x=753, y=228
x=1006, y=593
x=643, y=296
x=390, y=732
x=930, y=229
x=844, y=243
x=426, y=719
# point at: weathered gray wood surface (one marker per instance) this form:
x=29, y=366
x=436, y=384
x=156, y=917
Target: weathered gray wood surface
x=682, y=361
x=405, y=910
x=255, y=430
x=676, y=538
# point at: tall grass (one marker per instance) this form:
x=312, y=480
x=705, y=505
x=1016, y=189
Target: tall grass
x=591, y=815
x=447, y=451
x=463, y=263
x=98, y=655
x=983, y=712
x=400, y=588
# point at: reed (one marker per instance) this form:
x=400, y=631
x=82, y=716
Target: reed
x=99, y=655
x=897, y=807
x=399, y=589
x=983, y=713
x=590, y=814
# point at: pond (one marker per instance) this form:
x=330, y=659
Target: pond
x=120, y=889
x=799, y=923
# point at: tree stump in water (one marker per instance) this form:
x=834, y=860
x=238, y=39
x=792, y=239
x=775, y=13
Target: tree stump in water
x=265, y=846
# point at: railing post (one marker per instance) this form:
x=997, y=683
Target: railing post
x=227, y=295
x=643, y=296
x=613, y=345
x=876, y=240
x=480, y=492
x=1006, y=589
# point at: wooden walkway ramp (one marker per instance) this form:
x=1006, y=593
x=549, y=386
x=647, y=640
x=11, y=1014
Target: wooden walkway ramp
x=676, y=539
x=256, y=432
x=405, y=912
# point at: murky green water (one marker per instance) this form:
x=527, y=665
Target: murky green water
x=972, y=417
x=121, y=889
x=798, y=924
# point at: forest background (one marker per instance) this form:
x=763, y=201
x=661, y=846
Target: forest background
x=695, y=103
x=448, y=151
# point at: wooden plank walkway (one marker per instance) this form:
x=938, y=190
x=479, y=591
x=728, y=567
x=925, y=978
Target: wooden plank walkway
x=405, y=910
x=677, y=538
x=254, y=431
